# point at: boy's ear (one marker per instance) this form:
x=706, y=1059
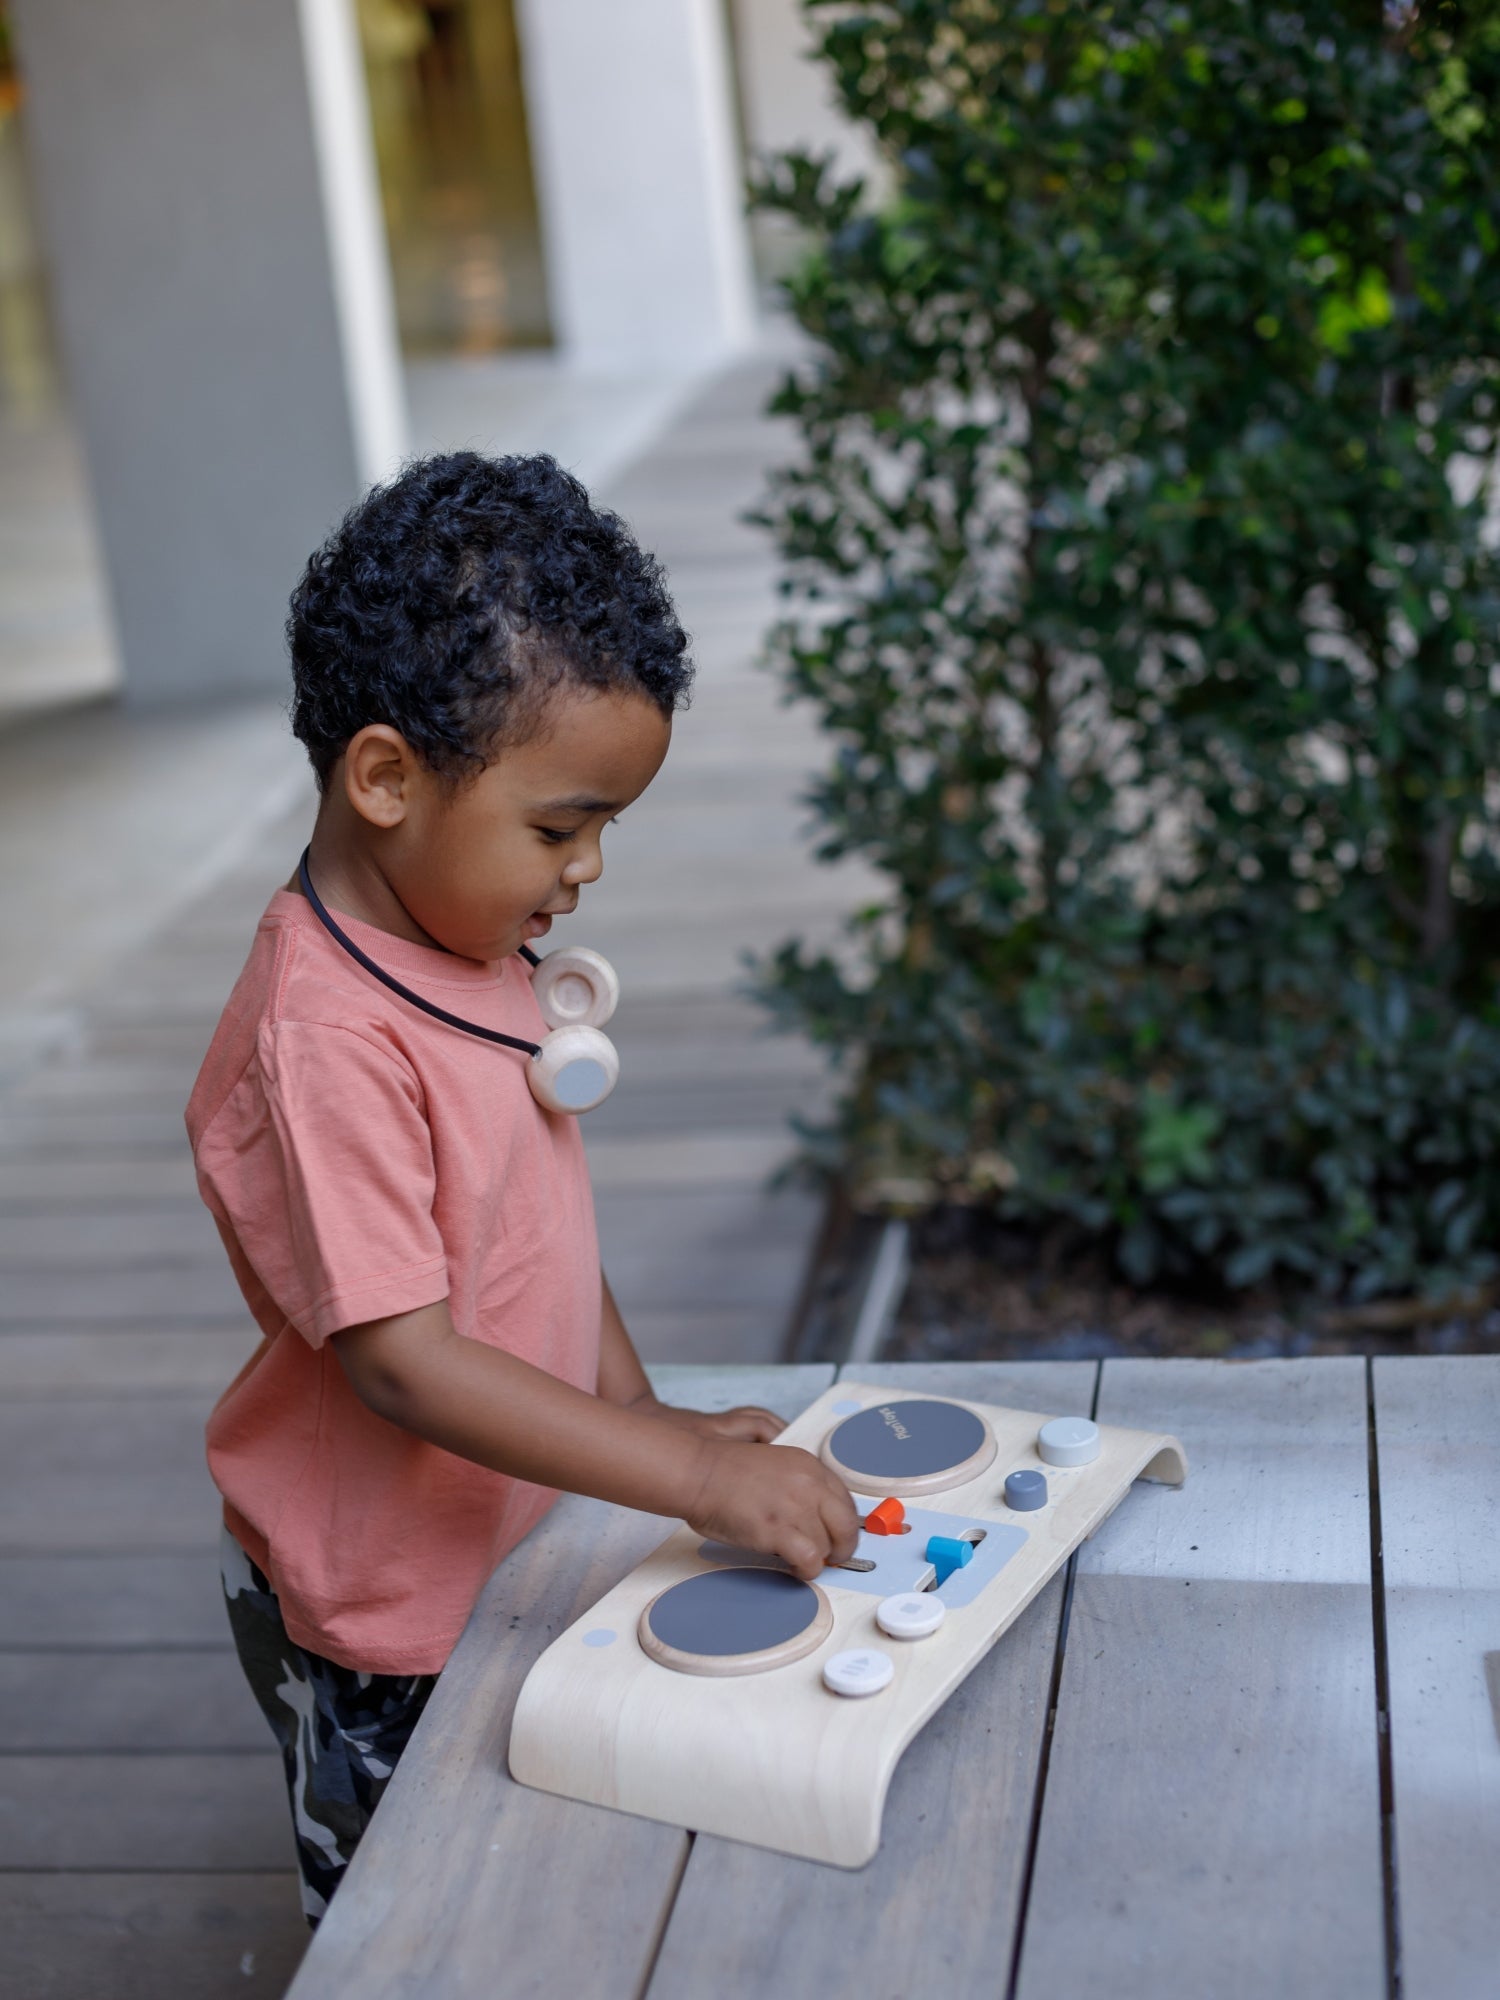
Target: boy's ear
x=379, y=768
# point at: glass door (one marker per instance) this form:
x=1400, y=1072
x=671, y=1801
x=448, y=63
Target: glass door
x=449, y=118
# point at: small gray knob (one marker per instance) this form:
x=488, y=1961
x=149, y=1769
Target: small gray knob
x=1068, y=1441
x=1026, y=1491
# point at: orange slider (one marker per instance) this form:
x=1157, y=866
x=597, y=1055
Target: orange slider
x=889, y=1518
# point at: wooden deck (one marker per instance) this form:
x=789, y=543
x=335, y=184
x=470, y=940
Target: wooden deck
x=1245, y=1745
x=144, y=1841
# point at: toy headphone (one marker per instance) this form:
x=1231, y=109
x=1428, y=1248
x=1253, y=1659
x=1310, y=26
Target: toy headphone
x=576, y=1066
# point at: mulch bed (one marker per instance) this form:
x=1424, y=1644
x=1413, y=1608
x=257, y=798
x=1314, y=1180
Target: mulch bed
x=984, y=1291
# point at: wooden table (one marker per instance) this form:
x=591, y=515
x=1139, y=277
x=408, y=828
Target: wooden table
x=1249, y=1745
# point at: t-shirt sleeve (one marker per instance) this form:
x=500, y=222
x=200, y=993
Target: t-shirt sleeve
x=320, y=1165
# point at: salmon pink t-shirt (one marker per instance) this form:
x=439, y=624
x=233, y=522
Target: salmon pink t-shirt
x=361, y=1160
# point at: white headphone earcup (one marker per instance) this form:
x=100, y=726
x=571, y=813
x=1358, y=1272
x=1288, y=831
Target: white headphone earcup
x=576, y=1070
x=575, y=988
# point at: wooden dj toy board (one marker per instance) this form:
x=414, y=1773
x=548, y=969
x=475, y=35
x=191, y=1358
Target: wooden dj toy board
x=694, y=1691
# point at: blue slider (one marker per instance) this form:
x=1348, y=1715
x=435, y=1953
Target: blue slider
x=946, y=1554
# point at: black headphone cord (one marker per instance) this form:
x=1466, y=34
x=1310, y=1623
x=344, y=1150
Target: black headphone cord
x=416, y=1000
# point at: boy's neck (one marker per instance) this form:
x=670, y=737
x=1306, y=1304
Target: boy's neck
x=350, y=881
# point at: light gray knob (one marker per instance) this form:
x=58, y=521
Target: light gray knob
x=1068, y=1441
x=1026, y=1491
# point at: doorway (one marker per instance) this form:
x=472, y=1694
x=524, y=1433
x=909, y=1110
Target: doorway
x=449, y=117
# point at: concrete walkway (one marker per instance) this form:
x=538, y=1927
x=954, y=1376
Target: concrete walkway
x=143, y=1836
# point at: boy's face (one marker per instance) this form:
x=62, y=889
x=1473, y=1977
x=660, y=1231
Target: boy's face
x=485, y=869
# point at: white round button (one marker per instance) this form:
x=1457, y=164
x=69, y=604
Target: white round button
x=863, y=1671
x=1068, y=1441
x=912, y=1614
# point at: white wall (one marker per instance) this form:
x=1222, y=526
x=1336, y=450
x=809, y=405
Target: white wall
x=360, y=267
x=788, y=98
x=631, y=112
x=220, y=282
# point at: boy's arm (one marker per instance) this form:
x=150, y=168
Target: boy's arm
x=623, y=1380
x=416, y=1370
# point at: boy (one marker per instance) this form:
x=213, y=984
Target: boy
x=485, y=673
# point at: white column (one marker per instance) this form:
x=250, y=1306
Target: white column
x=209, y=220
x=632, y=121
x=361, y=269
x=788, y=94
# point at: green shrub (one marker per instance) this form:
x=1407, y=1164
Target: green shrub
x=1139, y=578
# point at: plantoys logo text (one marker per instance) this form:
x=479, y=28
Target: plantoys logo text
x=895, y=1423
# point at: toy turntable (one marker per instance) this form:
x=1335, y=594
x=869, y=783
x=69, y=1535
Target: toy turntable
x=714, y=1690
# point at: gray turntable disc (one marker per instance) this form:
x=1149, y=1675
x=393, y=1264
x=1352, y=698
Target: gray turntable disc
x=911, y=1446
x=733, y=1611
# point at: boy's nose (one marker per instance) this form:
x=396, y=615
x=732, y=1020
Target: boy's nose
x=585, y=867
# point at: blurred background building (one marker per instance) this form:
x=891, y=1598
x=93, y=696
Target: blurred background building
x=249, y=257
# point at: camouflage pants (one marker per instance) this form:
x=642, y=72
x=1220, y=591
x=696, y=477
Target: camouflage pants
x=341, y=1731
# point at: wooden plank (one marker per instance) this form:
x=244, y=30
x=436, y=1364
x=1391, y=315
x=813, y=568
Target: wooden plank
x=464, y=1871
x=143, y=1180
x=224, y=1810
x=118, y=1361
x=58, y=1239
x=639, y=1108
x=692, y=1160
x=713, y=1387
x=720, y=1335
x=125, y=1014
x=93, y=1081
x=935, y=1910
x=1437, y=1422
x=713, y=1017
x=157, y=1700
x=1211, y=1821
x=151, y=1039
x=117, y=1295
x=653, y=962
x=59, y=1131
x=104, y=1602
x=154, y=1936
x=146, y=1483
x=647, y=1052
x=676, y=1251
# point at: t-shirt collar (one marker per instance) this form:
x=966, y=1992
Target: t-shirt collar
x=424, y=962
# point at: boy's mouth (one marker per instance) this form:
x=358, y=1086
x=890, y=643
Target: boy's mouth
x=540, y=921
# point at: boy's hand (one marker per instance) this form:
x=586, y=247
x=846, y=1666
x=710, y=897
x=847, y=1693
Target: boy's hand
x=417, y=1371
x=747, y=1425
x=780, y=1502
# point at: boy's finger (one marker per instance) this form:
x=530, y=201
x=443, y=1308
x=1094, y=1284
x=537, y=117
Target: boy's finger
x=773, y=1424
x=840, y=1515
x=842, y=1525
x=752, y=1426
x=801, y=1555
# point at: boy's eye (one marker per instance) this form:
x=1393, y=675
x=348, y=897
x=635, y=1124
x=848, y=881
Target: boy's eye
x=558, y=834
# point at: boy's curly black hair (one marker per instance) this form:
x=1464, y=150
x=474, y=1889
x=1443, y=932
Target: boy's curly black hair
x=452, y=602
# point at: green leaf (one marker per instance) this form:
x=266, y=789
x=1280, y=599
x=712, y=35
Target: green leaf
x=1154, y=651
